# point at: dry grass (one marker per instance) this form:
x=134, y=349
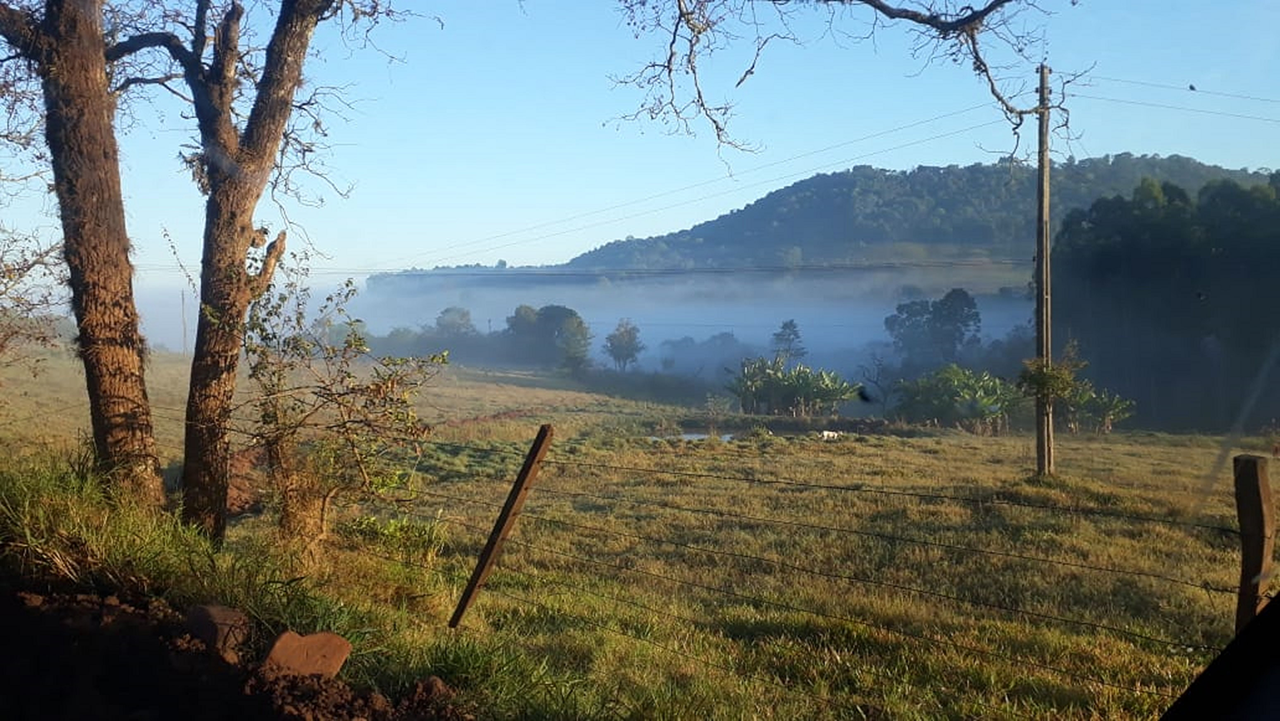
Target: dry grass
x=886, y=576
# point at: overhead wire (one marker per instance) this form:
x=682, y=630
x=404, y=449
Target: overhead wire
x=1189, y=88
x=1180, y=108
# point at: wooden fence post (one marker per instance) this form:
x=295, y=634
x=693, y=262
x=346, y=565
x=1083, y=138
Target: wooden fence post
x=1257, y=534
x=506, y=520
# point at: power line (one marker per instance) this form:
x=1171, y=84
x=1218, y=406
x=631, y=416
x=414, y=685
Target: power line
x=623, y=274
x=1183, y=108
x=712, y=181
x=691, y=201
x=1184, y=89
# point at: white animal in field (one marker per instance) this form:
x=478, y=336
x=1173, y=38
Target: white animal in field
x=830, y=435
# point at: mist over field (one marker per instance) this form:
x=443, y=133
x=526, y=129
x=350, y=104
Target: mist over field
x=838, y=314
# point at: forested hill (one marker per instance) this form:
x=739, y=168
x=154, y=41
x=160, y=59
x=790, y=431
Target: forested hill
x=868, y=214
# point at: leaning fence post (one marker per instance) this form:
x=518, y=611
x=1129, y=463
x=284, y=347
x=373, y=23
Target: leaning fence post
x=506, y=519
x=1257, y=534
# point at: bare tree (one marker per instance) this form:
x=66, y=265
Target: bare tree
x=59, y=47
x=29, y=301
x=695, y=29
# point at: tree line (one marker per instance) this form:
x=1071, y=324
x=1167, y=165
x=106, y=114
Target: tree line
x=867, y=213
x=1171, y=296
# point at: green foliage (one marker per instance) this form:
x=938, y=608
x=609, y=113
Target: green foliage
x=1171, y=295
x=768, y=387
x=331, y=417
x=929, y=333
x=1079, y=402
x=551, y=336
x=953, y=396
x=455, y=322
x=1051, y=381
x=623, y=344
x=786, y=342
x=865, y=213
x=411, y=541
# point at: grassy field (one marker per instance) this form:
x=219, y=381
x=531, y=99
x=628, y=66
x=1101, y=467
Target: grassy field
x=905, y=574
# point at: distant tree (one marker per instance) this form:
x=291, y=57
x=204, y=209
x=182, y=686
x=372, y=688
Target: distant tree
x=786, y=342
x=573, y=341
x=623, y=344
x=553, y=335
x=454, y=322
x=931, y=333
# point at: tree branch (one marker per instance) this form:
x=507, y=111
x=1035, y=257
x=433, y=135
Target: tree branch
x=693, y=28
x=282, y=74
x=130, y=82
x=259, y=282
x=20, y=30
x=947, y=25
x=145, y=41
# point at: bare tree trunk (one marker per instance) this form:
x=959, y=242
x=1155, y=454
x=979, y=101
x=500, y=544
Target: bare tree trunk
x=85, y=159
x=226, y=290
x=237, y=165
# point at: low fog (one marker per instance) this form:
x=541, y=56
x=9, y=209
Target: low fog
x=840, y=316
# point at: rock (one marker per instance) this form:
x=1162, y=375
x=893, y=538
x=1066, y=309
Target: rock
x=319, y=654
x=31, y=600
x=221, y=629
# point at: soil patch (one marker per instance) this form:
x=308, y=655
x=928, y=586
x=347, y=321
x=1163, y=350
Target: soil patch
x=83, y=656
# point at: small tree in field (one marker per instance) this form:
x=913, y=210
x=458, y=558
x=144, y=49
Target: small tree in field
x=623, y=344
x=786, y=343
x=330, y=417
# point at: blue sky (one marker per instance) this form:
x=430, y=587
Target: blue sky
x=495, y=136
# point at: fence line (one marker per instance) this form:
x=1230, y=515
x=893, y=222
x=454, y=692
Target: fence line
x=899, y=539
x=885, y=584
x=771, y=682
x=918, y=637
x=911, y=494
x=922, y=495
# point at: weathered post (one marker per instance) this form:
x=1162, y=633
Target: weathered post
x=1257, y=534
x=1044, y=312
x=506, y=520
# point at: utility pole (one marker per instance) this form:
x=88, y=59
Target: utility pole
x=1044, y=340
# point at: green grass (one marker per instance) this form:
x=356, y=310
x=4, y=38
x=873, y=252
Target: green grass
x=876, y=576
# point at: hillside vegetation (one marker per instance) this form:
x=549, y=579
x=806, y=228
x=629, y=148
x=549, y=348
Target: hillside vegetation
x=867, y=213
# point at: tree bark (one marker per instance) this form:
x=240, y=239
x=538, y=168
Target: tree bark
x=69, y=53
x=238, y=166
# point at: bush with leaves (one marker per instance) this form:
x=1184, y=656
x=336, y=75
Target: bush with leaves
x=330, y=417
x=1057, y=384
x=953, y=396
x=766, y=386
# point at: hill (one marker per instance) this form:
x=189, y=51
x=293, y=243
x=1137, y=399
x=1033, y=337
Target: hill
x=870, y=214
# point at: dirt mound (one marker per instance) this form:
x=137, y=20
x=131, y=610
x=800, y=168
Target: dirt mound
x=88, y=657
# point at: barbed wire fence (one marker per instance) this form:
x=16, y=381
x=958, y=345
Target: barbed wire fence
x=628, y=551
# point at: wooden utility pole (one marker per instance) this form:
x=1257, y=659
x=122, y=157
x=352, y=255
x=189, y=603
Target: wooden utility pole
x=1044, y=340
